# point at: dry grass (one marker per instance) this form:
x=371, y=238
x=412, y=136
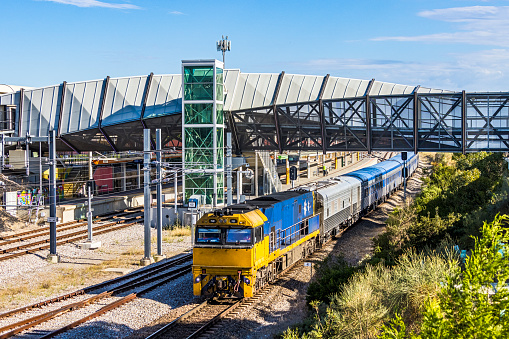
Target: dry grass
x=62, y=280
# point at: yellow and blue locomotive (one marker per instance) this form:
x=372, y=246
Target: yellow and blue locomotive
x=239, y=249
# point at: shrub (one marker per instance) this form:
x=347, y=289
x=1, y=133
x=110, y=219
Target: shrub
x=467, y=306
x=332, y=274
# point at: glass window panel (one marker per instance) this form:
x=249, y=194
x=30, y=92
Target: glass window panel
x=198, y=91
x=239, y=236
x=199, y=137
x=194, y=74
x=208, y=235
x=198, y=113
x=220, y=114
x=219, y=75
x=219, y=92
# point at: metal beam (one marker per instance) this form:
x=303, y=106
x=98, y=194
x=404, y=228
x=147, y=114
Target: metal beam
x=144, y=103
x=322, y=114
x=71, y=146
x=463, y=122
x=274, y=110
x=103, y=98
x=368, y=116
x=416, y=120
x=63, y=87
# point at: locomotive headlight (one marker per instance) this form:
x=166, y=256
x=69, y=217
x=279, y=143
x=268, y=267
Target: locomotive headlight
x=247, y=281
x=197, y=279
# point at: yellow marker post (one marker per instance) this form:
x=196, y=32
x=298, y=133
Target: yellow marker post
x=287, y=171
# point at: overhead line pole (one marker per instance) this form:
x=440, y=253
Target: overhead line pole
x=53, y=256
x=147, y=197
x=159, y=215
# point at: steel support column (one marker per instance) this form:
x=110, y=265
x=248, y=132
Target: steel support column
x=322, y=114
x=416, y=121
x=61, y=110
x=144, y=103
x=147, y=195
x=274, y=109
x=52, y=194
x=368, y=124
x=159, y=180
x=464, y=122
x=103, y=99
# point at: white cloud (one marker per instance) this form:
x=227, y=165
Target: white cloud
x=176, y=13
x=95, y=3
x=478, y=25
x=486, y=70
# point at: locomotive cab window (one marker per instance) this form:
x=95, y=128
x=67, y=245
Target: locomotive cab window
x=239, y=235
x=208, y=235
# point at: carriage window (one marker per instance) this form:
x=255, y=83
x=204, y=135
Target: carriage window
x=208, y=235
x=238, y=236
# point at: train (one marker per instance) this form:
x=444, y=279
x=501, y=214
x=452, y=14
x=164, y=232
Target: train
x=240, y=248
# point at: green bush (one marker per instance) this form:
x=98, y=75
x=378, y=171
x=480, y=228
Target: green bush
x=372, y=296
x=467, y=306
x=332, y=274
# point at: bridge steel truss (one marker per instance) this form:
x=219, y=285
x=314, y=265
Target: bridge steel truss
x=446, y=122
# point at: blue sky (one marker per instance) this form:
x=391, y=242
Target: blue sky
x=449, y=44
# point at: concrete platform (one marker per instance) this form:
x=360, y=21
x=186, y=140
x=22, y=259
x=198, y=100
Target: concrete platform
x=120, y=270
x=89, y=245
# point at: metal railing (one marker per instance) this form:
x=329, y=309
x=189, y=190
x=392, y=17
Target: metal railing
x=268, y=165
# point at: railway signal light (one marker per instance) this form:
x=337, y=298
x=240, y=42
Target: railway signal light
x=293, y=173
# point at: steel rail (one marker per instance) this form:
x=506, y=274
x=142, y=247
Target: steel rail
x=67, y=236
x=80, y=221
x=168, y=262
x=171, y=276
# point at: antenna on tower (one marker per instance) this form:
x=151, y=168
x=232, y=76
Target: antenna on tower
x=224, y=45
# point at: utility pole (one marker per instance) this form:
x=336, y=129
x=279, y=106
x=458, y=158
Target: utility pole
x=147, y=197
x=159, y=212
x=229, y=195
x=53, y=256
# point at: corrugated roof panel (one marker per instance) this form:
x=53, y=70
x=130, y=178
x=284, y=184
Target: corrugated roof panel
x=363, y=87
x=289, y=89
x=340, y=88
x=409, y=89
x=387, y=88
x=82, y=102
x=126, y=99
x=51, y=105
x=164, y=97
x=354, y=88
x=239, y=92
x=260, y=97
x=230, y=82
x=249, y=91
x=271, y=88
x=76, y=105
x=376, y=88
x=310, y=88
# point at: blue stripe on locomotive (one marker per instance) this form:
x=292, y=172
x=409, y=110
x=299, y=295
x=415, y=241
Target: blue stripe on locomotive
x=286, y=216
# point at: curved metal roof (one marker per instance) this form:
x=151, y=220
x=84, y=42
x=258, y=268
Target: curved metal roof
x=115, y=101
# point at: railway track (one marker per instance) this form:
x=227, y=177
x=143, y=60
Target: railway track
x=204, y=320
x=110, y=223
x=136, y=284
x=198, y=320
